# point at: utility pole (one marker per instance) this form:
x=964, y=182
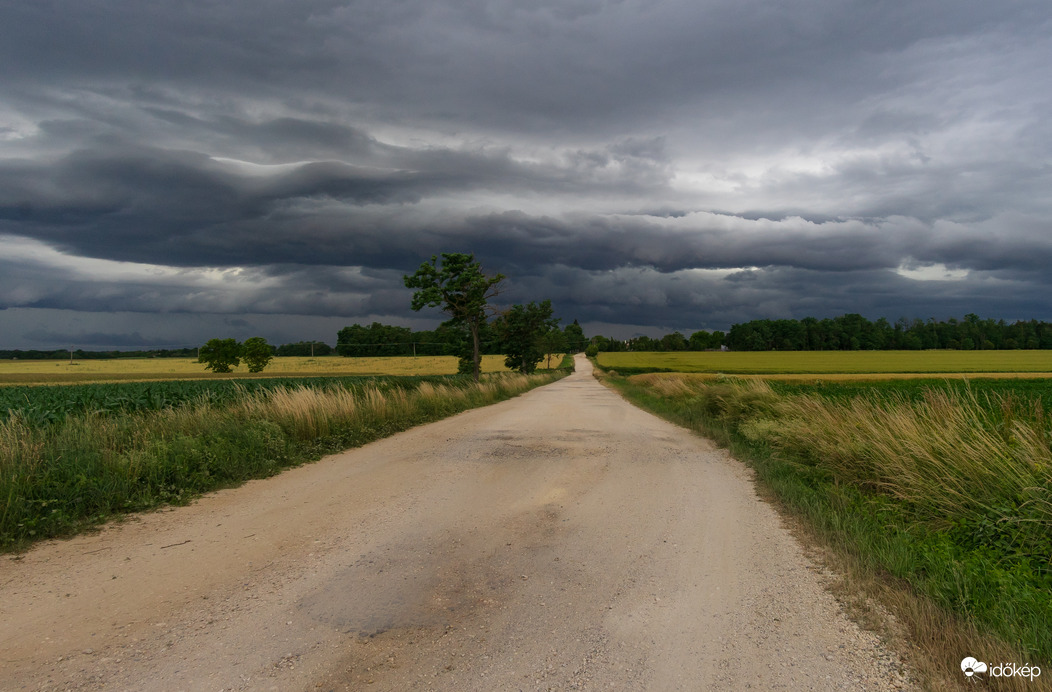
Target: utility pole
x=71, y=355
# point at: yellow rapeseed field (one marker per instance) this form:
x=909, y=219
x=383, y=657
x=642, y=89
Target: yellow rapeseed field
x=852, y=363
x=123, y=369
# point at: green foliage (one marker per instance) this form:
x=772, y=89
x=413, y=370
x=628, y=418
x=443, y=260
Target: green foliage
x=465, y=365
x=257, y=353
x=605, y=345
x=39, y=406
x=220, y=355
x=304, y=348
x=854, y=332
x=574, y=337
x=460, y=288
x=527, y=331
x=674, y=342
x=375, y=340
x=378, y=339
x=88, y=464
x=592, y=351
x=706, y=341
x=552, y=342
x=851, y=332
x=43, y=406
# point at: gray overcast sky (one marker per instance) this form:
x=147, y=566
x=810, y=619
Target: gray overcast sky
x=172, y=172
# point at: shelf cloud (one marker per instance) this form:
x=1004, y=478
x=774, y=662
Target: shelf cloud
x=275, y=168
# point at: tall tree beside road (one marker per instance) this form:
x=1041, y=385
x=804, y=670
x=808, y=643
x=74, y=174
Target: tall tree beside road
x=461, y=289
x=523, y=329
x=574, y=337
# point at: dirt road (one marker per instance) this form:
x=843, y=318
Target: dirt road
x=561, y=540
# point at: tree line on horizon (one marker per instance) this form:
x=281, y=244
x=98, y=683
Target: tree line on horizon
x=848, y=332
x=853, y=332
x=379, y=339
x=698, y=341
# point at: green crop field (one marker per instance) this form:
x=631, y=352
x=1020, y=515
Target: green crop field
x=40, y=406
x=73, y=456
x=831, y=362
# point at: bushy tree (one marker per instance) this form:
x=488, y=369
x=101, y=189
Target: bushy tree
x=554, y=341
x=674, y=342
x=523, y=329
x=220, y=355
x=461, y=289
x=257, y=353
x=574, y=337
x=701, y=341
x=605, y=344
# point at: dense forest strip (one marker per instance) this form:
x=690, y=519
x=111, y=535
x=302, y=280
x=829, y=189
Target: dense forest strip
x=854, y=332
x=850, y=332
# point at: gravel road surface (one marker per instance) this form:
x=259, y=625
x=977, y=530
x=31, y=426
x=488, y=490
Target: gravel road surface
x=563, y=540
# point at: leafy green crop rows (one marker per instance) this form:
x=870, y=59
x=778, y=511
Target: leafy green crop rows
x=47, y=405
x=82, y=467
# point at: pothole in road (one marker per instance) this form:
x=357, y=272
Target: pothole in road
x=435, y=581
x=407, y=586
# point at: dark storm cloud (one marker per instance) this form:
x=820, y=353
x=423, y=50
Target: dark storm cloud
x=488, y=61
x=145, y=204
x=97, y=340
x=687, y=301
x=649, y=164
x=186, y=209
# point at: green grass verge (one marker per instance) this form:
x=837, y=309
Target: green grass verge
x=85, y=469
x=972, y=536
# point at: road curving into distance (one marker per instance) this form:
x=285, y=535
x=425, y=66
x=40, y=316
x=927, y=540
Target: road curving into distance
x=560, y=540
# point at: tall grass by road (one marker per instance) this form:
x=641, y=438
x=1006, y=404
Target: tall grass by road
x=943, y=494
x=85, y=469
